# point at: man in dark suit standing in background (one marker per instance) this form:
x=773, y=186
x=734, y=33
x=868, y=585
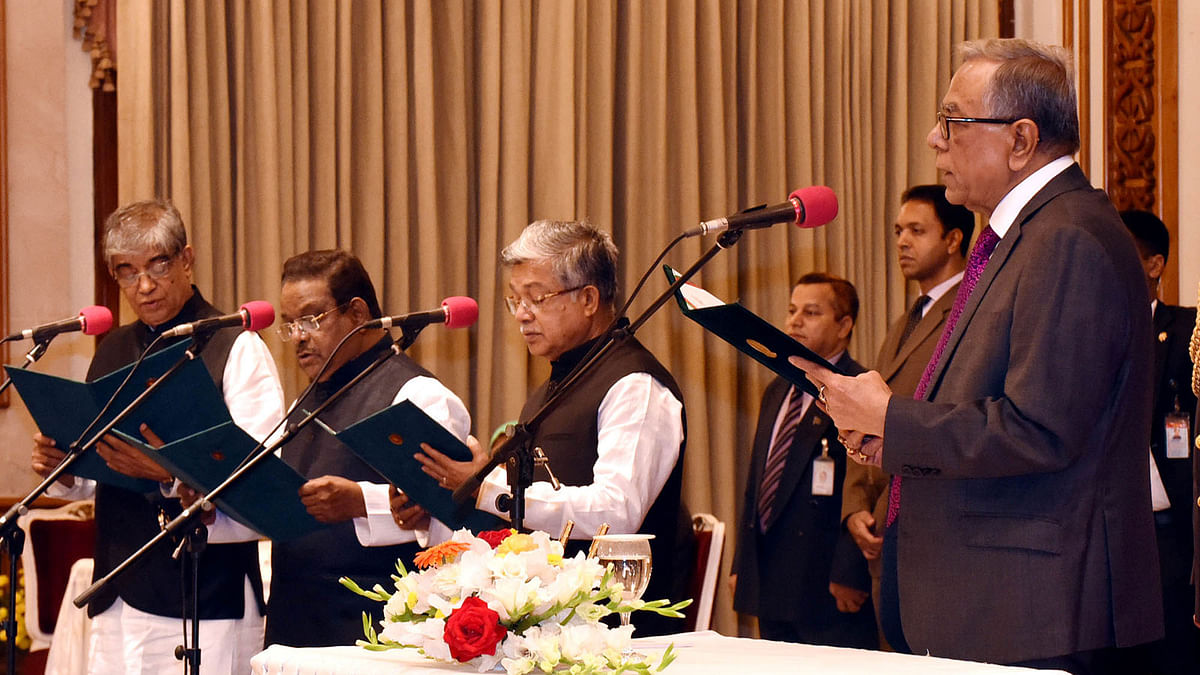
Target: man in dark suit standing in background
x=932, y=239
x=1172, y=433
x=790, y=526
x=1015, y=533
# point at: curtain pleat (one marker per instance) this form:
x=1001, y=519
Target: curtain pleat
x=422, y=136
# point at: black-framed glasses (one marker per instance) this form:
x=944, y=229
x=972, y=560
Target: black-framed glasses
x=306, y=324
x=531, y=305
x=157, y=268
x=944, y=120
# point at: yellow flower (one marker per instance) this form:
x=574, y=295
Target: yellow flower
x=554, y=559
x=516, y=543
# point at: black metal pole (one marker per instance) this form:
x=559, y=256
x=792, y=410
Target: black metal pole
x=14, y=542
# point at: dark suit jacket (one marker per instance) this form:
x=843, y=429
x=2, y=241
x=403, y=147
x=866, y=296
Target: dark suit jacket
x=1173, y=392
x=1023, y=533
x=866, y=486
x=783, y=575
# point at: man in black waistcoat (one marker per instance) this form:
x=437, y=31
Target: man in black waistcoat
x=1172, y=433
x=325, y=296
x=790, y=533
x=136, y=623
x=616, y=442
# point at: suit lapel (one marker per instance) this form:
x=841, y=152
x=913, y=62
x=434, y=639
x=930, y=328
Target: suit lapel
x=1163, y=318
x=805, y=446
x=926, y=329
x=772, y=398
x=1070, y=179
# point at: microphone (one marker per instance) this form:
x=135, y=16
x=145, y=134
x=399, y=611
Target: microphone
x=254, y=315
x=807, y=207
x=93, y=320
x=457, y=311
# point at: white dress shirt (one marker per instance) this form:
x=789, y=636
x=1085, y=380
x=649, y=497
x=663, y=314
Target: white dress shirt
x=640, y=426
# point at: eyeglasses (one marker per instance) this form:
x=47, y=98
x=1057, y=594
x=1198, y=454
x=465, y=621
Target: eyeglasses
x=944, y=121
x=306, y=324
x=156, y=269
x=532, y=305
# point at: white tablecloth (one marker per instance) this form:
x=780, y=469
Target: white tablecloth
x=698, y=654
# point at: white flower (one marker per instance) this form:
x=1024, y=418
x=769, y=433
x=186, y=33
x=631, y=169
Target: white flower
x=509, y=596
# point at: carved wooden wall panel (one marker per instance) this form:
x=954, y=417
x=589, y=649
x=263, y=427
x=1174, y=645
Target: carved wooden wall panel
x=1141, y=114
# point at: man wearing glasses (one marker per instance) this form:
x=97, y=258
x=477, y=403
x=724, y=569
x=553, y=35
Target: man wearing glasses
x=1019, y=527
x=616, y=441
x=136, y=619
x=326, y=296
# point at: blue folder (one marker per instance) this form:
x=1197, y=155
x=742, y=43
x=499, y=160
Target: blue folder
x=185, y=403
x=265, y=499
x=387, y=441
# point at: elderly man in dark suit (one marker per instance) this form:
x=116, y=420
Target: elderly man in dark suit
x=789, y=533
x=932, y=239
x=1172, y=432
x=1015, y=534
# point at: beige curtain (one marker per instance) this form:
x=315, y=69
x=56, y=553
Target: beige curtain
x=423, y=136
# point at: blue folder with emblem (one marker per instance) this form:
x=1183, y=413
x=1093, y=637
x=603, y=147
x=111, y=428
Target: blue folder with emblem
x=749, y=332
x=387, y=441
x=265, y=499
x=62, y=408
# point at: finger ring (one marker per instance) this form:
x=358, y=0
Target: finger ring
x=821, y=395
x=443, y=480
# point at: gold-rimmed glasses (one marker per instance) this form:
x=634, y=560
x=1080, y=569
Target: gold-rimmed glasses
x=531, y=305
x=306, y=324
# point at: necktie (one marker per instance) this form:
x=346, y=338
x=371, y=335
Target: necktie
x=975, y=265
x=777, y=458
x=914, y=317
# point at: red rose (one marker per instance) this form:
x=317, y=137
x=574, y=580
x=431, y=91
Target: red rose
x=494, y=537
x=473, y=629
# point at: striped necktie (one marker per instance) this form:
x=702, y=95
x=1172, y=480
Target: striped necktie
x=975, y=265
x=914, y=317
x=777, y=458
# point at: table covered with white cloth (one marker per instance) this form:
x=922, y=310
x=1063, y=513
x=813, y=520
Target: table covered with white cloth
x=697, y=654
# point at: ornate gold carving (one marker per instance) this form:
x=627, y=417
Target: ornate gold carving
x=95, y=22
x=1132, y=166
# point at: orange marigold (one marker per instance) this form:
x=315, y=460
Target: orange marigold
x=436, y=556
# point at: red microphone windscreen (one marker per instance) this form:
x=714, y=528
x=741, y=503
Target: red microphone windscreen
x=820, y=205
x=461, y=311
x=259, y=315
x=96, y=320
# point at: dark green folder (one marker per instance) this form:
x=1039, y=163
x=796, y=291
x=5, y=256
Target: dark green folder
x=754, y=336
x=387, y=442
x=265, y=499
x=186, y=403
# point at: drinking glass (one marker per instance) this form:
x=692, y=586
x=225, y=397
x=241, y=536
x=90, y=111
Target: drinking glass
x=629, y=557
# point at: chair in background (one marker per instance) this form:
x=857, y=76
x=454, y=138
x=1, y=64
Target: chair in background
x=55, y=539
x=710, y=540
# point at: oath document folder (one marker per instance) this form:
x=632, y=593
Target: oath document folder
x=749, y=332
x=266, y=498
x=184, y=404
x=387, y=441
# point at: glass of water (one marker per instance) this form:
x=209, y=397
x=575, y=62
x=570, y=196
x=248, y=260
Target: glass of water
x=629, y=557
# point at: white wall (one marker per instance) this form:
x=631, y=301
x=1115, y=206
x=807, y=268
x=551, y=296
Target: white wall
x=49, y=202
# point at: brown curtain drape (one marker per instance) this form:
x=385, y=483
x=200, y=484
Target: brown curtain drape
x=423, y=136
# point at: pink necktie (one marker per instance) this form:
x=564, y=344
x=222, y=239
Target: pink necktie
x=975, y=265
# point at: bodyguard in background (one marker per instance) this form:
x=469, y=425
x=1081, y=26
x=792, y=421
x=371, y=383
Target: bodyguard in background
x=790, y=533
x=1172, y=434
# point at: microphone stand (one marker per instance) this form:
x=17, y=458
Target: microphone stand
x=8, y=521
x=13, y=538
x=205, y=502
x=516, y=451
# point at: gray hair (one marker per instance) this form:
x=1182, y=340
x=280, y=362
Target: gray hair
x=150, y=225
x=1034, y=81
x=578, y=253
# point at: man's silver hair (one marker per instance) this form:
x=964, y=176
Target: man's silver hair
x=150, y=226
x=578, y=252
x=1034, y=81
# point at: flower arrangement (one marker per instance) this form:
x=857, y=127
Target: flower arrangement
x=513, y=600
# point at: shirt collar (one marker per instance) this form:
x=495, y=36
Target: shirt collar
x=1010, y=206
x=938, y=291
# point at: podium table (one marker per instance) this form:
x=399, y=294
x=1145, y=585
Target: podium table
x=698, y=654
